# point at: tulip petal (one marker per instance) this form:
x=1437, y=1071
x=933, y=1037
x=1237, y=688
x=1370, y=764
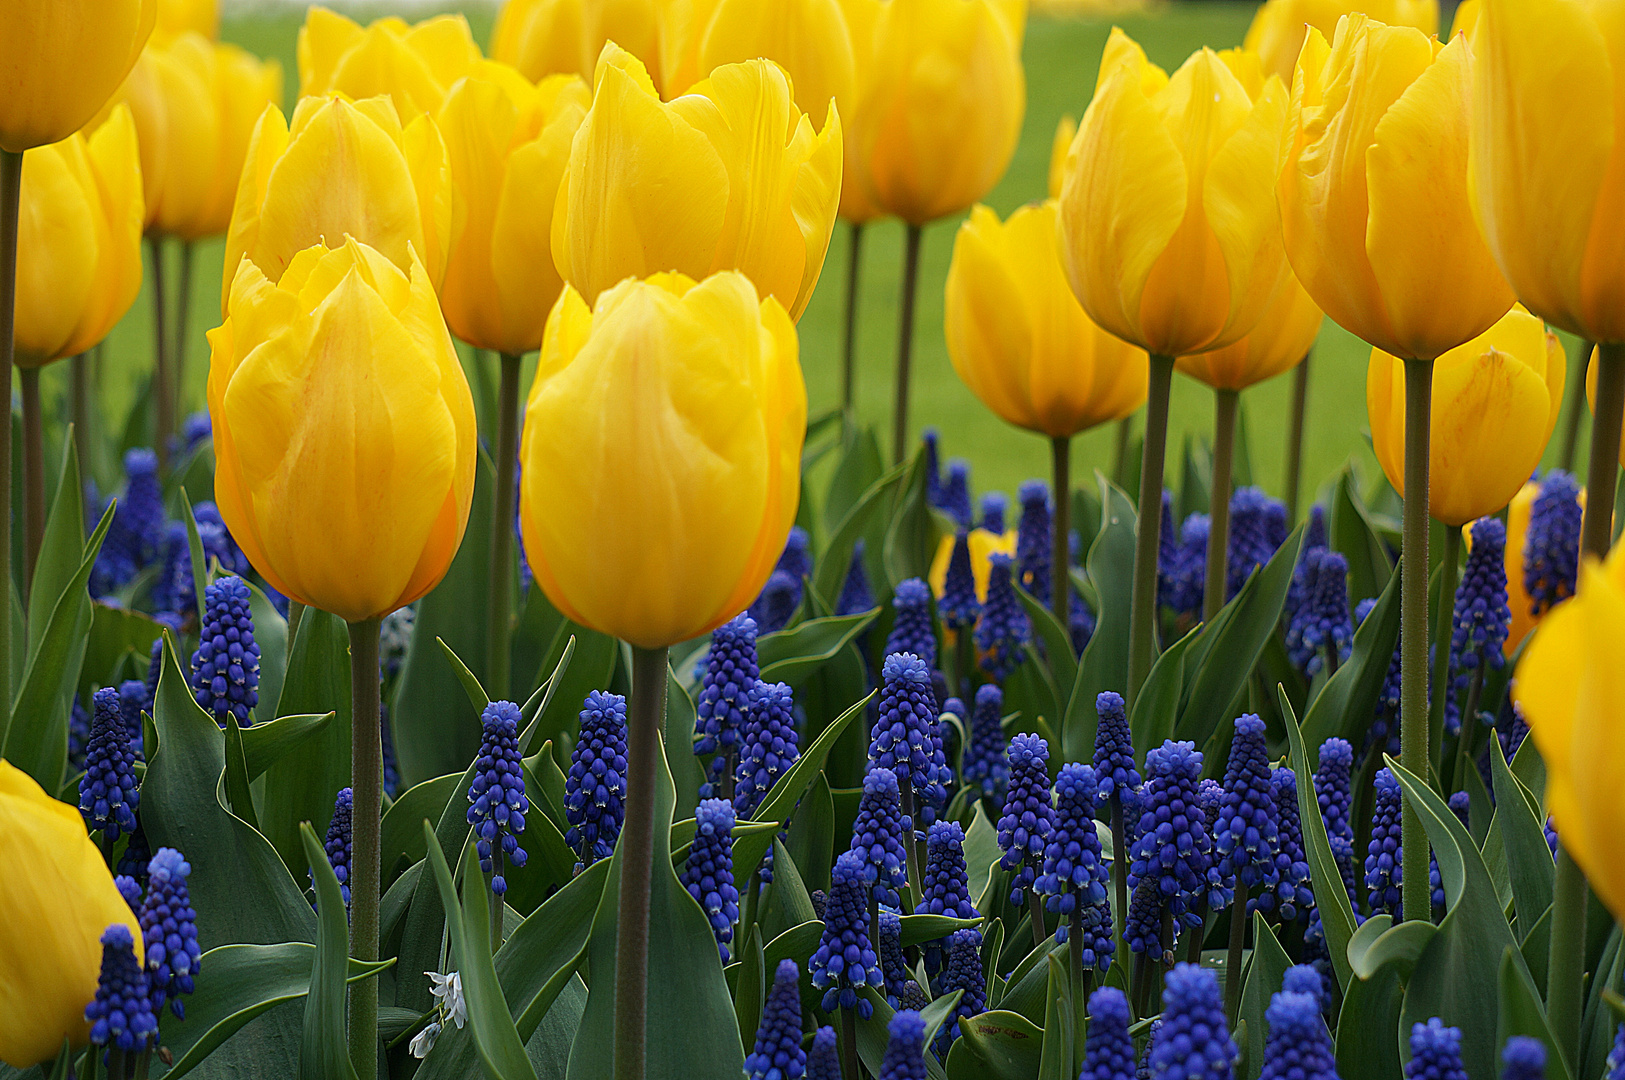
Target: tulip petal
x=57, y=248
x=44, y=95
x=115, y=166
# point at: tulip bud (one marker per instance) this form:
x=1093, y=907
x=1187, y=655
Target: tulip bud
x=343, y=169
x=79, y=240
x=177, y=17
x=1065, y=131
x=1279, y=26
x=344, y=430
x=1019, y=339
x=944, y=109
x=195, y=105
x=857, y=206
x=58, y=899
x=661, y=454
x=983, y=545
x=412, y=65
x=1373, y=190
x=1283, y=335
x=1495, y=402
x=61, y=60
x=633, y=25
x=758, y=187
x=1161, y=170
x=540, y=38
x=809, y=39
x=508, y=142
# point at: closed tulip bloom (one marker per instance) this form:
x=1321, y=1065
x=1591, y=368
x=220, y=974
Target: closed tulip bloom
x=343, y=430
x=1283, y=335
x=633, y=25
x=508, y=142
x=60, y=62
x=730, y=176
x=1465, y=21
x=944, y=109
x=412, y=65
x=79, y=240
x=1570, y=686
x=857, y=204
x=1018, y=337
x=1168, y=231
x=661, y=454
x=196, y=104
x=176, y=17
x=1279, y=26
x=1065, y=131
x=540, y=38
x=1518, y=599
x=1495, y=402
x=1373, y=190
x=809, y=39
x=59, y=899
x=342, y=169
x=983, y=546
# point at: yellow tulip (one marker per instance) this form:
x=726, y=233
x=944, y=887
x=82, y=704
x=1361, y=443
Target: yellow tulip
x=60, y=62
x=983, y=545
x=1065, y=131
x=809, y=39
x=1518, y=601
x=79, y=240
x=58, y=899
x=1018, y=338
x=857, y=205
x=730, y=176
x=176, y=17
x=413, y=65
x=1548, y=148
x=1278, y=343
x=1373, y=190
x=343, y=430
x=633, y=25
x=1495, y=402
x=662, y=454
x=1279, y=26
x=944, y=106
x=509, y=143
x=342, y=169
x=195, y=105
x=1465, y=20
x=1168, y=231
x=540, y=38
x=1570, y=687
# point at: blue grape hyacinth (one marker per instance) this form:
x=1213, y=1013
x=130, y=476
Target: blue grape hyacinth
x=226, y=665
x=1298, y=1047
x=169, y=931
x=985, y=767
x=777, y=1054
x=933, y=467
x=1294, y=890
x=338, y=843
x=708, y=873
x=776, y=605
x=879, y=833
x=1167, y=551
x=905, y=1048
x=946, y=890
x=1034, y=543
x=132, y=702
x=1314, y=542
x=595, y=787
x=824, y=1058
x=1335, y=795
x=1257, y=530
x=1074, y=874
x=912, y=631
x=1384, y=855
x=1028, y=816
x=137, y=529
x=108, y=795
x=1114, y=751
x=1187, y=569
x=963, y=971
x=730, y=672
x=1108, y=1052
x=1551, y=551
x=1435, y=1053
x=994, y=505
x=845, y=961
x=856, y=595
x=1004, y=629
x=1142, y=927
x=1245, y=838
x=958, y=605
x=906, y=739
x=121, y=1014
x=497, y=796
x=769, y=744
x=893, y=964
x=1322, y=630
x=1523, y=1058
x=1173, y=850
x=956, y=493
x=1480, y=619
x=1195, y=1042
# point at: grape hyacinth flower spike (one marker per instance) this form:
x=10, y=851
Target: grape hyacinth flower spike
x=169, y=932
x=985, y=767
x=226, y=665
x=1195, y=1042
x=845, y=961
x=894, y=969
x=912, y=629
x=906, y=739
x=338, y=844
x=708, y=873
x=1003, y=629
x=121, y=1016
x=1523, y=1058
x=947, y=884
x=108, y=795
x=1335, y=795
x=1480, y=622
x=1294, y=890
x=1119, y=780
x=777, y=1054
x=1245, y=839
x=1173, y=850
x=1298, y=1047
x=963, y=971
x=905, y=1048
x=1034, y=545
x=1026, y=821
x=1108, y=1052
x=1551, y=551
x=1074, y=873
x=824, y=1057
x=132, y=702
x=595, y=787
x=956, y=493
x=1435, y=1053
x=994, y=505
x=1385, y=854
x=958, y=605
x=878, y=836
x=497, y=796
x=769, y=744
x=730, y=672
x=1321, y=634
x=856, y=595
x=1257, y=529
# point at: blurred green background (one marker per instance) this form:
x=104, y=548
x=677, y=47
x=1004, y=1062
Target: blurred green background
x=1061, y=61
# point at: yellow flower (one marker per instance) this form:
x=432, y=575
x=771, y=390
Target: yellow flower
x=176, y=17
x=342, y=170
x=1465, y=20
x=662, y=454
x=541, y=38
x=1278, y=343
x=633, y=25
x=1373, y=190
x=1019, y=339
x=1278, y=27
x=509, y=143
x=857, y=205
x=1495, y=402
x=1168, y=229
x=1570, y=686
x=730, y=176
x=59, y=899
x=79, y=240
x=809, y=39
x=343, y=430
x=413, y=65
x=983, y=545
x=60, y=62
x=195, y=105
x=1547, y=152
x=943, y=107
x=1065, y=131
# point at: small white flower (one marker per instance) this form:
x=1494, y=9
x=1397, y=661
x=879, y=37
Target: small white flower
x=449, y=989
x=423, y=1041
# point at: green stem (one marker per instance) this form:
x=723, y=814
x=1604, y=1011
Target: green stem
x=913, y=858
x=79, y=398
x=1218, y=533
x=851, y=1068
x=497, y=902
x=11, y=185
x=183, y=313
x=1565, y=963
x=854, y=267
x=163, y=395
x=1576, y=408
x=1061, y=530
x=1035, y=913
x=1413, y=633
x=1232, y=964
x=1139, y=984
x=499, y=602
x=1125, y=435
x=366, y=789
x=1079, y=991
x=1469, y=726
x=1193, y=948
x=33, y=477
x=905, y=341
x=646, y=714
x=1609, y=411
x=1294, y=437
x=1143, y=614
x=1120, y=865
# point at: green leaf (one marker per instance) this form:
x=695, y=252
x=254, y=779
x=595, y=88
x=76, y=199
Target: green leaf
x=687, y=772
x=996, y=1045
x=592, y=666
x=748, y=986
x=200, y=568
x=324, y=1052
x=1104, y=663
x=304, y=783
x=1368, y=1044
x=1055, y=1062
x=1380, y=944
x=1529, y=861
x=477, y=697
x=401, y=835
x=790, y=656
x=1349, y=530
x=982, y=853
x=1152, y=722
x=1063, y=665
x=117, y=635
x=1264, y=974
x=1336, y=915
x=268, y=742
x=61, y=548
x=1522, y=1013
x=235, y=779
x=879, y=491
x=812, y=834
x=271, y=635
x=912, y=533
x=920, y=928
x=873, y=1037
x=1348, y=701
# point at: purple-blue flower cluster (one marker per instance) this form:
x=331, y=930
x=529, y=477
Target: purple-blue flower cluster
x=498, y=804
x=595, y=787
x=708, y=873
x=108, y=795
x=1028, y=817
x=226, y=665
x=845, y=961
x=730, y=672
x=984, y=766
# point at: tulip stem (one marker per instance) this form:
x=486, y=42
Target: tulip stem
x=1125, y=435
x=646, y=712
x=1294, y=437
x=1608, y=411
x=1440, y=697
x=79, y=397
x=1413, y=633
x=1577, y=394
x=499, y=628
x=905, y=341
x=1218, y=533
x=11, y=189
x=33, y=477
x=854, y=267
x=183, y=311
x=1148, y=528
x=1061, y=530
x=366, y=790
x=1232, y=964
x=162, y=395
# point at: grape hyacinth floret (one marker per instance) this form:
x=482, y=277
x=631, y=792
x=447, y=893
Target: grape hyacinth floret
x=708, y=873
x=985, y=767
x=879, y=833
x=595, y=787
x=958, y=604
x=1028, y=817
x=912, y=631
x=1173, y=849
x=1524, y=1058
x=905, y=737
x=905, y=1048
x=1074, y=871
x=963, y=971
x=169, y=931
x=338, y=844
x=1435, y=1053
x=121, y=1014
x=956, y=493
x=108, y=796
x=1385, y=854
x=730, y=672
x=1298, y=1047
x=1004, y=628
x=769, y=744
x=1108, y=1052
x=1245, y=838
x=1294, y=890
x=778, y=1054
x=1194, y=1043
x=776, y=605
x=1551, y=550
x=845, y=961
x=226, y=665
x=497, y=795
x=1034, y=544
x=1614, y=1066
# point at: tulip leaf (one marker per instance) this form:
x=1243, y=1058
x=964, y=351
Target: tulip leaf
x=1055, y=1062
x=271, y=635
x=62, y=548
x=1523, y=1013
x=1529, y=861
x=812, y=835
x=873, y=1036
x=234, y=780
x=401, y=835
x=1104, y=663
x=922, y=927
x=592, y=666
x=477, y=697
x=748, y=986
x=1152, y=721
x=836, y=560
x=860, y=466
x=1262, y=975
x=996, y=1045
x=912, y=532
x=1349, y=530
x=324, y=1052
x=268, y=742
x=1057, y=639
x=1367, y=1040
x=790, y=656
x=687, y=772
x=200, y=567
x=1336, y=914
x=1348, y=701
x=1600, y=1025
x=118, y=636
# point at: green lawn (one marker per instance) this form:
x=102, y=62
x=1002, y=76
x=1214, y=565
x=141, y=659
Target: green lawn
x=1061, y=61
